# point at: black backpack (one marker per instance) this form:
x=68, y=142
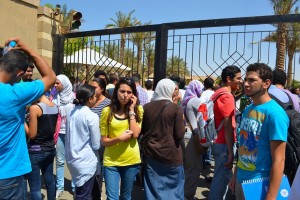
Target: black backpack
x=292, y=152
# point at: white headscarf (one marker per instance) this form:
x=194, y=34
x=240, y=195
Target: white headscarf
x=164, y=90
x=66, y=96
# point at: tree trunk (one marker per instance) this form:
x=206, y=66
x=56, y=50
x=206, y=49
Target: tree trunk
x=139, y=56
x=290, y=68
x=123, y=38
x=281, y=45
x=149, y=62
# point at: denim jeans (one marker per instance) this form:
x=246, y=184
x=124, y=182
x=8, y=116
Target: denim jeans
x=41, y=161
x=112, y=176
x=222, y=175
x=12, y=188
x=162, y=181
x=60, y=163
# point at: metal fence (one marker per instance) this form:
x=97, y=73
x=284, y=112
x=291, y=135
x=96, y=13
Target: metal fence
x=192, y=50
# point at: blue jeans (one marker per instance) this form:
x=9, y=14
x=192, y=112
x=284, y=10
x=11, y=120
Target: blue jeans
x=60, y=163
x=112, y=176
x=12, y=188
x=41, y=161
x=162, y=181
x=222, y=175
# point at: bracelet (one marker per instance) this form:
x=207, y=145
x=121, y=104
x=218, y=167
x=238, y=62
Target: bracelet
x=132, y=118
x=131, y=113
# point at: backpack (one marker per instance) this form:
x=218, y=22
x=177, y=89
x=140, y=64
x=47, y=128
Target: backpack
x=292, y=151
x=206, y=122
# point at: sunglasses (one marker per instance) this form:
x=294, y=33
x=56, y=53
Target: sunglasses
x=124, y=91
x=126, y=79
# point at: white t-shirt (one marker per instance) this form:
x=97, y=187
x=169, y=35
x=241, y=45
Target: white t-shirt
x=150, y=94
x=205, y=96
x=182, y=92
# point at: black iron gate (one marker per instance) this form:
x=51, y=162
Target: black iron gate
x=192, y=50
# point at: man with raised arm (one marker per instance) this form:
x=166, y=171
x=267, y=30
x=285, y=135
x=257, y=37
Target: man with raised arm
x=14, y=159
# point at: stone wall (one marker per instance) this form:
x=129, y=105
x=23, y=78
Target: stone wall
x=47, y=27
x=19, y=19
x=34, y=25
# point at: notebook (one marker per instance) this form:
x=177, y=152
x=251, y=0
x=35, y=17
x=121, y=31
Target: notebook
x=257, y=188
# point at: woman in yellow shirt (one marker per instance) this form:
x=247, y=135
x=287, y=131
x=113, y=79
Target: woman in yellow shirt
x=120, y=126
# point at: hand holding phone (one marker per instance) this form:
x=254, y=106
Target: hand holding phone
x=133, y=101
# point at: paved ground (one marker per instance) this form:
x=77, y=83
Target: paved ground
x=137, y=194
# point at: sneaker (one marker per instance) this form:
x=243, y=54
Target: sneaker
x=58, y=193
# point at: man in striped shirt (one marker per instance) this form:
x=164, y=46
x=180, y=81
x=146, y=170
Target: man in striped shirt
x=142, y=94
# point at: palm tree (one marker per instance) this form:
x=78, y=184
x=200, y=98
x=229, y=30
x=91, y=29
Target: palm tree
x=177, y=66
x=149, y=50
x=123, y=21
x=110, y=49
x=293, y=45
x=139, y=39
x=281, y=7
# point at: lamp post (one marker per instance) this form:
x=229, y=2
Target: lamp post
x=57, y=10
x=68, y=22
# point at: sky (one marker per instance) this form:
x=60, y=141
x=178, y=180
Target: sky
x=97, y=13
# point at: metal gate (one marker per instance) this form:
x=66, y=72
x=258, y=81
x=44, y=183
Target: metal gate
x=192, y=49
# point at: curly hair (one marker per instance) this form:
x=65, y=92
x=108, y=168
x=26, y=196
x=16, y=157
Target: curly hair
x=264, y=71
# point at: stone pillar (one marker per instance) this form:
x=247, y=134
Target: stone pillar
x=47, y=28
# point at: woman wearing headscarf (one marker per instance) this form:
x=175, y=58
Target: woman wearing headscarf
x=163, y=131
x=64, y=101
x=191, y=104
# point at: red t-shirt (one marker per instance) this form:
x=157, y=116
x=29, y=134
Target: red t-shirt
x=224, y=106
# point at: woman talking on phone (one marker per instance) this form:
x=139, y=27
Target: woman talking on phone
x=120, y=126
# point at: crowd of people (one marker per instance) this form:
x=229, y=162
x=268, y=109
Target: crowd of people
x=105, y=128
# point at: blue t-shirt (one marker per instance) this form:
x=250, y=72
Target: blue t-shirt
x=14, y=159
x=260, y=124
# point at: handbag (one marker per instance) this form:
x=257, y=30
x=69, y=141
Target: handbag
x=57, y=128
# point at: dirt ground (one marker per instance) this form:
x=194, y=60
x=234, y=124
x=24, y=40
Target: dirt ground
x=138, y=193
